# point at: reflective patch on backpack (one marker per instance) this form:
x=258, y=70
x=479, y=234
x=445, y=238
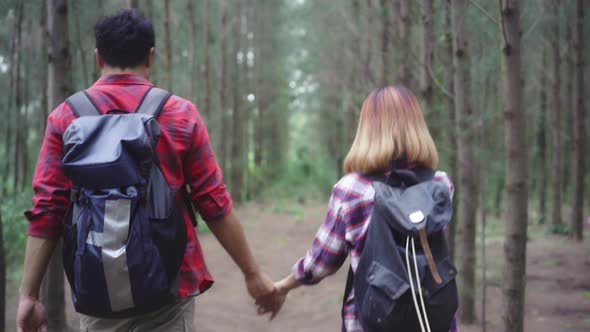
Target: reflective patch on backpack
x=117, y=215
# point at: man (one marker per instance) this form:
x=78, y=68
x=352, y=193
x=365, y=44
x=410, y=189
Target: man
x=124, y=52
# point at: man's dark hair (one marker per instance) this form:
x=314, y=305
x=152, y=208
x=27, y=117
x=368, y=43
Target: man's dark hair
x=124, y=39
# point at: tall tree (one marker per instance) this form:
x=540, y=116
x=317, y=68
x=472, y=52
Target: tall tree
x=194, y=58
x=452, y=136
x=403, y=22
x=77, y=27
x=426, y=88
x=2, y=276
x=468, y=168
x=133, y=3
x=237, y=166
x=18, y=103
x=207, y=65
x=567, y=105
x=542, y=138
x=13, y=91
x=168, y=45
x=577, y=221
x=223, y=89
x=59, y=86
x=557, y=161
x=386, y=35
x=514, y=283
x=43, y=73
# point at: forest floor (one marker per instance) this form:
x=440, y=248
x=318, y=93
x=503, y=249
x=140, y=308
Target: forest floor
x=558, y=279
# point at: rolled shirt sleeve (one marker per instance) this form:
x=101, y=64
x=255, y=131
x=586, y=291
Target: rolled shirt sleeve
x=208, y=193
x=329, y=248
x=51, y=187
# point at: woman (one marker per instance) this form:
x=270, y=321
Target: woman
x=391, y=133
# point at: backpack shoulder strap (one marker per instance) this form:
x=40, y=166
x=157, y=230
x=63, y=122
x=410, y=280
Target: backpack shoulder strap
x=153, y=101
x=82, y=105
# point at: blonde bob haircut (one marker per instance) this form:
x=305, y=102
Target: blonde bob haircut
x=391, y=127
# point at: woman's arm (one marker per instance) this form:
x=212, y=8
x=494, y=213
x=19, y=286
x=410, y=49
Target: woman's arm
x=326, y=255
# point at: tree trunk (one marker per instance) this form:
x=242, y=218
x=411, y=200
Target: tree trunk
x=23, y=129
x=43, y=73
x=577, y=221
x=368, y=20
x=514, y=282
x=542, y=140
x=385, y=41
x=207, y=64
x=557, y=162
x=454, y=158
x=133, y=3
x=223, y=90
x=468, y=167
x=262, y=85
x=13, y=90
x=403, y=21
x=59, y=87
x=76, y=13
x=168, y=46
x=194, y=57
x=427, y=53
x=2, y=277
x=568, y=110
x=236, y=154
x=426, y=88
x=18, y=104
x=355, y=74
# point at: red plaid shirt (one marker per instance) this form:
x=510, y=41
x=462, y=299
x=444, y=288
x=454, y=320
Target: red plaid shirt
x=185, y=155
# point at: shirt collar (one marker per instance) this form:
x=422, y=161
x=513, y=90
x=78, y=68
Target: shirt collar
x=122, y=79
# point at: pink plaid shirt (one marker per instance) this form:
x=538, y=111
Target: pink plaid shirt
x=343, y=233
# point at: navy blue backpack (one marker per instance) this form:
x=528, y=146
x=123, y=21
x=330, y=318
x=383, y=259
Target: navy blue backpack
x=405, y=279
x=124, y=235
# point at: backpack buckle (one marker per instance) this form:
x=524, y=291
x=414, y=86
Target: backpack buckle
x=142, y=194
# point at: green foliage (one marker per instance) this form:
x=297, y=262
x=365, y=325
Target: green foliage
x=561, y=229
x=15, y=231
x=303, y=179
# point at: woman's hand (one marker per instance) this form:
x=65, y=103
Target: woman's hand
x=282, y=288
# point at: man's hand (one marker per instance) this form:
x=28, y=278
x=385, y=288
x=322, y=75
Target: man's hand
x=262, y=289
x=279, y=297
x=31, y=315
x=282, y=288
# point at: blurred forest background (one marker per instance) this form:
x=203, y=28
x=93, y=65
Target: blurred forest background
x=280, y=84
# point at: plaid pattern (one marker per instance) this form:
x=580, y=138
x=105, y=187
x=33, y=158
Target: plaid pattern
x=343, y=233
x=185, y=155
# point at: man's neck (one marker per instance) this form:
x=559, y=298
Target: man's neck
x=142, y=71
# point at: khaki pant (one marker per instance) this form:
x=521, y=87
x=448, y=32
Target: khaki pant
x=177, y=317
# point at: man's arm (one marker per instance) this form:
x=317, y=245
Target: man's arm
x=37, y=256
x=31, y=314
x=210, y=197
x=230, y=234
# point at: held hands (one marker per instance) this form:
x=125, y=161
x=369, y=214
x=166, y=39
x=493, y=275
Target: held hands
x=31, y=315
x=269, y=298
x=262, y=289
x=281, y=289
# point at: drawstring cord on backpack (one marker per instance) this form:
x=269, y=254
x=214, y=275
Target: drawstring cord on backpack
x=416, y=306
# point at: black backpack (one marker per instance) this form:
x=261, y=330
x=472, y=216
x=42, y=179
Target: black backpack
x=405, y=280
x=124, y=236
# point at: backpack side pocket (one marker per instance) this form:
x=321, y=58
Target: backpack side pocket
x=385, y=288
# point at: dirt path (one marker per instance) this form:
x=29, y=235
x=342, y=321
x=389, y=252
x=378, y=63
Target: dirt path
x=558, y=289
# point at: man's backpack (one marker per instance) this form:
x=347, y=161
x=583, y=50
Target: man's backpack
x=405, y=280
x=124, y=235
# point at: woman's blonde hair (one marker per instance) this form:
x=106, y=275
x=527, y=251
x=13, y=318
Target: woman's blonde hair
x=391, y=127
